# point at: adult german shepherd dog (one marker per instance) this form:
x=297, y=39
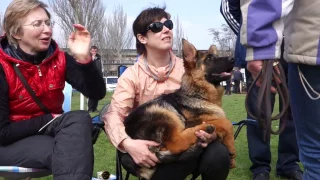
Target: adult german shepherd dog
x=173, y=119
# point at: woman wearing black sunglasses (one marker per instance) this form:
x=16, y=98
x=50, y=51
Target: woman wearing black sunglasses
x=158, y=71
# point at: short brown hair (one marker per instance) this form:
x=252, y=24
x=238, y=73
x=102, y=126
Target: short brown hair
x=16, y=10
x=144, y=19
x=95, y=47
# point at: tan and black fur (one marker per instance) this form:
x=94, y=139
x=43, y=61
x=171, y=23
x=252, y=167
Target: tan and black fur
x=173, y=119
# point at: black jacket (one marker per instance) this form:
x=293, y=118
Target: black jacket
x=98, y=64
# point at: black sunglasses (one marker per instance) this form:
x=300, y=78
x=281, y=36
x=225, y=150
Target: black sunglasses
x=158, y=26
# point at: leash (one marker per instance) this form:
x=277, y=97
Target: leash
x=271, y=70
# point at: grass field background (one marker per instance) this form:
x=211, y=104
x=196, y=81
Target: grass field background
x=235, y=110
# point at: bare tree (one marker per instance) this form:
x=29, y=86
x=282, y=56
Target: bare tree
x=89, y=13
x=61, y=38
x=118, y=37
x=1, y=24
x=225, y=38
x=178, y=35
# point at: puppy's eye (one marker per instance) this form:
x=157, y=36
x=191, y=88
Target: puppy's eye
x=208, y=58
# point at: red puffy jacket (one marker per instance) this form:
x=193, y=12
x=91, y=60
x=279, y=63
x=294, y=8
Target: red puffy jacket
x=46, y=79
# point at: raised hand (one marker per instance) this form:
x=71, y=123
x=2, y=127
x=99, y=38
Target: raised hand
x=79, y=44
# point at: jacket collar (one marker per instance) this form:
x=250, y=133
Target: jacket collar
x=19, y=54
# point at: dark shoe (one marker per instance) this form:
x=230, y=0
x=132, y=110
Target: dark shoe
x=295, y=175
x=261, y=176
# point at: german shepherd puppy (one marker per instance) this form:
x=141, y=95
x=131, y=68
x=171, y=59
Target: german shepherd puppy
x=173, y=119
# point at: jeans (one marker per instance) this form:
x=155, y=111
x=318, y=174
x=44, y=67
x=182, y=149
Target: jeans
x=306, y=117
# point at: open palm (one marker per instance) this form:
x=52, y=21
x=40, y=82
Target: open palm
x=79, y=43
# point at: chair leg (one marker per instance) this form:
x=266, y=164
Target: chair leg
x=194, y=176
x=127, y=175
x=118, y=167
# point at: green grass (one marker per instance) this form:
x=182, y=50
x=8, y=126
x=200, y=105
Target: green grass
x=235, y=110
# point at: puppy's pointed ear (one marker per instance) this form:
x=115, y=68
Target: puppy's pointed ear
x=189, y=51
x=213, y=50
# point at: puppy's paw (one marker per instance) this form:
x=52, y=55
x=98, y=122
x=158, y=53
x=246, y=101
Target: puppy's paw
x=232, y=163
x=210, y=129
x=193, y=152
x=154, y=149
x=165, y=156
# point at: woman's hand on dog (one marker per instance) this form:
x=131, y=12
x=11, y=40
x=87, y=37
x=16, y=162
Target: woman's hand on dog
x=205, y=137
x=140, y=153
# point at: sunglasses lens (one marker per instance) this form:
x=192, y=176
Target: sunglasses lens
x=157, y=27
x=168, y=24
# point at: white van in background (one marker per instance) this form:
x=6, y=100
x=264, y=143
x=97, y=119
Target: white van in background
x=111, y=83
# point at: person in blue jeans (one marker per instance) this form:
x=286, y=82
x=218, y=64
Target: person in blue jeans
x=266, y=23
x=259, y=150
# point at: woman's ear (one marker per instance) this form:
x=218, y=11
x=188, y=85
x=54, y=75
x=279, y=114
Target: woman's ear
x=142, y=39
x=16, y=36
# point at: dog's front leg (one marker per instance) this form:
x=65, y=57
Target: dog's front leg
x=224, y=131
x=182, y=140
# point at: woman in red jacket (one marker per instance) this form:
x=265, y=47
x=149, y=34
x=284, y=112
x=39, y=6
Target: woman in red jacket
x=30, y=59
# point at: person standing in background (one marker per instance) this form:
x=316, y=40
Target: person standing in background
x=93, y=103
x=259, y=150
x=228, y=87
x=237, y=78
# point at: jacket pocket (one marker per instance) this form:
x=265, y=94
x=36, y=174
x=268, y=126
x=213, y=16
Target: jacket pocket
x=55, y=93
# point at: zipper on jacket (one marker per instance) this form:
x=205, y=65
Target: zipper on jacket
x=39, y=70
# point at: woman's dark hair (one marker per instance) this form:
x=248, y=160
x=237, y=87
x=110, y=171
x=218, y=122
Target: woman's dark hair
x=144, y=19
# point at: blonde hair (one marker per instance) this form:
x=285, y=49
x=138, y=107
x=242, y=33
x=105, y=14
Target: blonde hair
x=17, y=10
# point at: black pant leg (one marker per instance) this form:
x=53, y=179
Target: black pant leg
x=172, y=171
x=92, y=104
x=65, y=148
x=72, y=157
x=31, y=152
x=214, y=162
x=288, y=152
x=175, y=171
x=237, y=86
x=259, y=150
